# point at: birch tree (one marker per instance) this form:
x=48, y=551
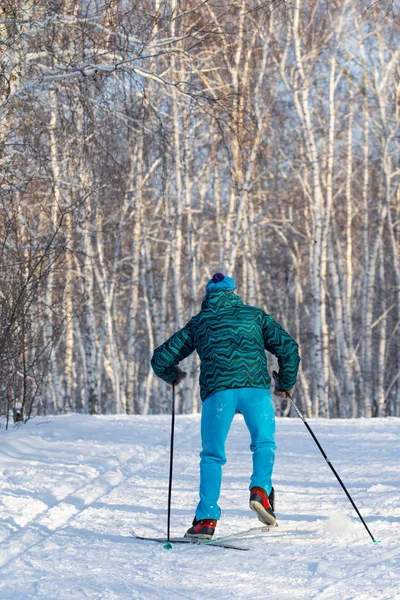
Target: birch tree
x=143, y=148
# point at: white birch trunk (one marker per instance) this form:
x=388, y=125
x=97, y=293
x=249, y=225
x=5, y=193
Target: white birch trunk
x=349, y=224
x=90, y=330
x=69, y=390
x=346, y=382
x=149, y=329
x=318, y=307
x=56, y=203
x=132, y=367
x=380, y=375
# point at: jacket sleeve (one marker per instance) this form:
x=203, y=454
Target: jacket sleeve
x=167, y=356
x=278, y=342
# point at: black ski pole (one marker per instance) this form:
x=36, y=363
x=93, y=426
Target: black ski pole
x=168, y=545
x=328, y=462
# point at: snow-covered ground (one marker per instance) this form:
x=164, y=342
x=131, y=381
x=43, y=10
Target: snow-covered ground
x=71, y=488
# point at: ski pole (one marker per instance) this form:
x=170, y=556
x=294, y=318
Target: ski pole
x=329, y=463
x=168, y=545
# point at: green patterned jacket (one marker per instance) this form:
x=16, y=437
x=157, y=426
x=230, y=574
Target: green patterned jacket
x=230, y=338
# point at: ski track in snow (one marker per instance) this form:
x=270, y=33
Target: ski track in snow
x=72, y=487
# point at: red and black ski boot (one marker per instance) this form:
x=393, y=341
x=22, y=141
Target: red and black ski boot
x=260, y=503
x=203, y=529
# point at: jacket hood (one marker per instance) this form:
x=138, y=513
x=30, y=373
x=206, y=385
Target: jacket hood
x=220, y=299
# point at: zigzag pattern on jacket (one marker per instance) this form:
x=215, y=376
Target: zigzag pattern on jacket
x=230, y=338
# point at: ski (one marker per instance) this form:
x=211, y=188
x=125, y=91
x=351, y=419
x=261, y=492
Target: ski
x=256, y=531
x=244, y=533
x=223, y=541
x=186, y=540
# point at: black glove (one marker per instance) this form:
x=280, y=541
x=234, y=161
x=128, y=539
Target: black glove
x=180, y=375
x=277, y=391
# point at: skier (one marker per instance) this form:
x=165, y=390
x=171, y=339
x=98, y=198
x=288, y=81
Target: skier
x=231, y=338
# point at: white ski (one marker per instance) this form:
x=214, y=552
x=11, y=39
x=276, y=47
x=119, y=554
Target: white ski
x=188, y=540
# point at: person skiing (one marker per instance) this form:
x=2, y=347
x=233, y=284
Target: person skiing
x=231, y=338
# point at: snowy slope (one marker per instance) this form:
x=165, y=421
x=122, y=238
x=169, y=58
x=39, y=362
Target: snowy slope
x=72, y=486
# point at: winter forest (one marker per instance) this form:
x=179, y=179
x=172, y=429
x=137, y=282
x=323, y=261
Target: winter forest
x=145, y=145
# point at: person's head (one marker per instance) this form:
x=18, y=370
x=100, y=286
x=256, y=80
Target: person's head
x=221, y=282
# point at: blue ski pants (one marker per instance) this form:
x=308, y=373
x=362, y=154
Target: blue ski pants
x=218, y=411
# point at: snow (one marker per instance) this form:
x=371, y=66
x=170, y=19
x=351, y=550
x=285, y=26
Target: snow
x=73, y=486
